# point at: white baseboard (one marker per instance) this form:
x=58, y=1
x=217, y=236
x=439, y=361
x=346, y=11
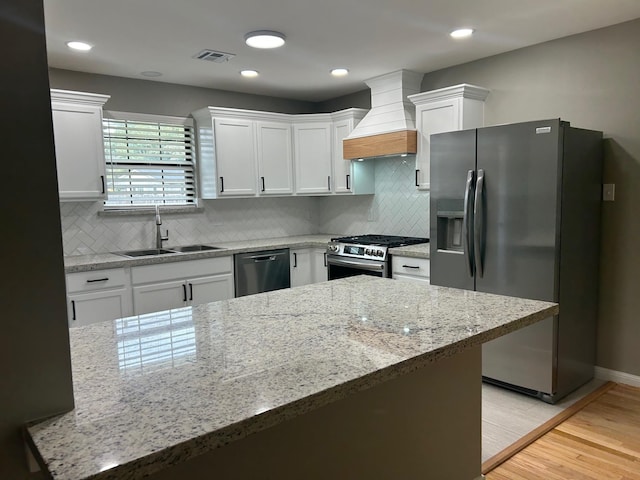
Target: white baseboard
x=616, y=376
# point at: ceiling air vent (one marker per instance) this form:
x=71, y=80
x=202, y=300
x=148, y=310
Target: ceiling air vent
x=213, y=56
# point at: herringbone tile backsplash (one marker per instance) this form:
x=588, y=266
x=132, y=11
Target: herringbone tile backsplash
x=84, y=232
x=397, y=208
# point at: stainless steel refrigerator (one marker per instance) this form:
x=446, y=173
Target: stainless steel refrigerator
x=515, y=210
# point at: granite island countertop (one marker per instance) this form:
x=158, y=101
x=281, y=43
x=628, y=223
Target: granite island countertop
x=158, y=389
x=101, y=261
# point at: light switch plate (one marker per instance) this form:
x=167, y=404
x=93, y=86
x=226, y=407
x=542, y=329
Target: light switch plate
x=608, y=192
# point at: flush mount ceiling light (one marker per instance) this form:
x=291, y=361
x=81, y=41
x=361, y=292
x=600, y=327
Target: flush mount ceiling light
x=462, y=33
x=80, y=46
x=339, y=72
x=264, y=39
x=249, y=73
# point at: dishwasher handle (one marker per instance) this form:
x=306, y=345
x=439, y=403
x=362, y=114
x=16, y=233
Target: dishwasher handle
x=265, y=258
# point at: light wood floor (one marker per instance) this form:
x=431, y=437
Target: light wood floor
x=601, y=441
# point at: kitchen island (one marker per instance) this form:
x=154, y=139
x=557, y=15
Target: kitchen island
x=361, y=377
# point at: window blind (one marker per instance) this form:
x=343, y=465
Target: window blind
x=148, y=163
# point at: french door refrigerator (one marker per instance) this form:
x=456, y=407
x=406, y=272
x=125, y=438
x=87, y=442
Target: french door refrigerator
x=515, y=210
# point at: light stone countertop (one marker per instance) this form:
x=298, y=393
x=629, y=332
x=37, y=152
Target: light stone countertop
x=101, y=261
x=156, y=390
x=416, y=251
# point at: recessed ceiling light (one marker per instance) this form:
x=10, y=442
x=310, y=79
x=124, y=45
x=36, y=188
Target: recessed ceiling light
x=81, y=46
x=462, y=33
x=249, y=73
x=151, y=73
x=264, y=39
x=339, y=72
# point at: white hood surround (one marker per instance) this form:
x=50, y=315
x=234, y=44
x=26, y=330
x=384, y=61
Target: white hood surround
x=389, y=128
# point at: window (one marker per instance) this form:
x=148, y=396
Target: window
x=148, y=161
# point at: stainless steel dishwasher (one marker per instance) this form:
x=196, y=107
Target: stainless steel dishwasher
x=263, y=271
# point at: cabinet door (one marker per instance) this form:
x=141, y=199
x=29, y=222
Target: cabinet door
x=97, y=306
x=77, y=131
x=319, y=265
x=436, y=117
x=301, y=267
x=275, y=159
x=313, y=157
x=235, y=154
x=209, y=289
x=159, y=296
x=342, y=170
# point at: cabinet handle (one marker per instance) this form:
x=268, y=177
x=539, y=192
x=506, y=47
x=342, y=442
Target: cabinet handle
x=73, y=309
x=348, y=178
x=184, y=292
x=98, y=280
x=410, y=266
x=191, y=291
x=325, y=259
x=262, y=178
x=329, y=183
x=295, y=260
x=417, y=171
x=102, y=181
x=221, y=184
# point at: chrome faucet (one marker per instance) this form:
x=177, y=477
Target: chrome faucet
x=159, y=237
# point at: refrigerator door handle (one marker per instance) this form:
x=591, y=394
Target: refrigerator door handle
x=478, y=223
x=467, y=222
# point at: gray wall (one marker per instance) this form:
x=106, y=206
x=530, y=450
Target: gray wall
x=132, y=95
x=35, y=371
x=591, y=80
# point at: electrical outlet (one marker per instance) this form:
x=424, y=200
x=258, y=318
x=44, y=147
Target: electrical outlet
x=608, y=192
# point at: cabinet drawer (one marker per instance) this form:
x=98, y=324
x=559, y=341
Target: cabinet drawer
x=410, y=266
x=97, y=280
x=180, y=270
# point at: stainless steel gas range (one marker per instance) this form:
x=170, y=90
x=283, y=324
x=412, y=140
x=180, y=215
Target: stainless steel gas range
x=364, y=254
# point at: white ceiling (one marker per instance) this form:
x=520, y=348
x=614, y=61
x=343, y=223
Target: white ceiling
x=369, y=37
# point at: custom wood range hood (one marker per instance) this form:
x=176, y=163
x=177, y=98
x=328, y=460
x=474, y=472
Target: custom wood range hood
x=389, y=127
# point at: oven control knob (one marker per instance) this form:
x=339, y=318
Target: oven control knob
x=380, y=253
x=367, y=251
x=333, y=248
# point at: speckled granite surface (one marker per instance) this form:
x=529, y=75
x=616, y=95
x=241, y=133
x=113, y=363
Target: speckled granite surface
x=158, y=389
x=84, y=263
x=416, y=251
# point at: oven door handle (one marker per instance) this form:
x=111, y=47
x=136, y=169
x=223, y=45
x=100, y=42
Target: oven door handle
x=368, y=266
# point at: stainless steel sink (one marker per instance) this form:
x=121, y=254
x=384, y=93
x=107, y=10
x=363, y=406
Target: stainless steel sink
x=146, y=252
x=194, y=248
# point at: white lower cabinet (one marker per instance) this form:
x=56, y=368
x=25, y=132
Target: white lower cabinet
x=301, y=267
x=308, y=265
x=98, y=295
x=180, y=284
x=410, y=269
x=319, y=265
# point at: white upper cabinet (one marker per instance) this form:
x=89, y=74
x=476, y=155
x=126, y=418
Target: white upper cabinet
x=349, y=176
x=275, y=159
x=235, y=156
x=247, y=153
x=77, y=130
x=312, y=143
x=444, y=110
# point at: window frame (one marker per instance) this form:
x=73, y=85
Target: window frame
x=151, y=118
